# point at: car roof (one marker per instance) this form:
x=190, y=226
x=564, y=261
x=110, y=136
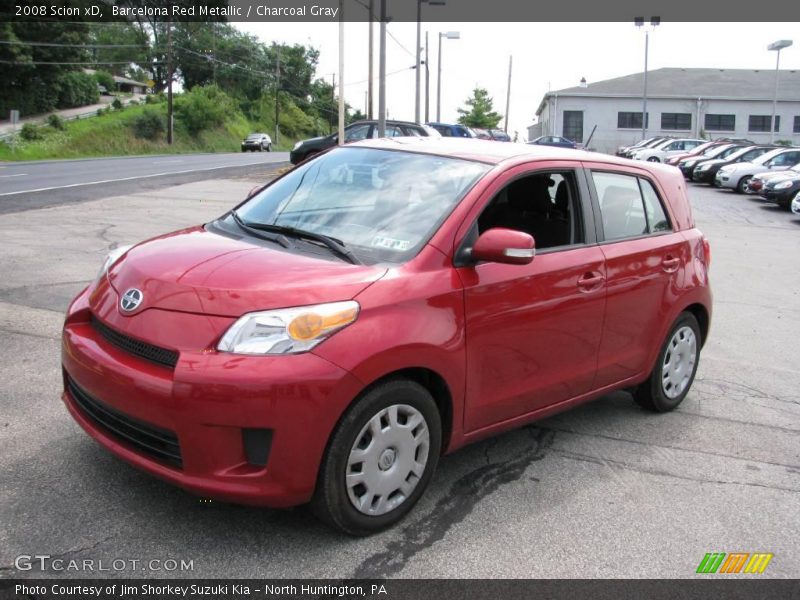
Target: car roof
x=490, y=151
x=388, y=122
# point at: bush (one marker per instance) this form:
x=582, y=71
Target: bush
x=149, y=125
x=203, y=108
x=55, y=122
x=30, y=132
x=105, y=79
x=76, y=88
x=117, y=104
x=783, y=142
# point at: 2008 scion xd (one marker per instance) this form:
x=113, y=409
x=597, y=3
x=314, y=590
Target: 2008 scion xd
x=329, y=338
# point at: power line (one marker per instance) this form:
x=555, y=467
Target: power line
x=91, y=62
x=55, y=45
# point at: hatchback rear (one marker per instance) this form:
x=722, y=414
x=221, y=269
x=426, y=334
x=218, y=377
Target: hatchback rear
x=382, y=304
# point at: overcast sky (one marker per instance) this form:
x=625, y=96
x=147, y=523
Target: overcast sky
x=546, y=56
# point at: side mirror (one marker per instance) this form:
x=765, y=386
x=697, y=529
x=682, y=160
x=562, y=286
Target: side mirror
x=502, y=245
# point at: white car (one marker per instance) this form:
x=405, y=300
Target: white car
x=796, y=204
x=667, y=148
x=737, y=176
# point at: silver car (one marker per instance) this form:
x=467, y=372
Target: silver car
x=737, y=176
x=257, y=141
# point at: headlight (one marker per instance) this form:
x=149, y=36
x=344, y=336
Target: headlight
x=110, y=259
x=704, y=167
x=784, y=185
x=287, y=330
x=297, y=145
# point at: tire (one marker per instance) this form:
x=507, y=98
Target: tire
x=741, y=187
x=653, y=159
x=659, y=395
x=355, y=506
x=269, y=147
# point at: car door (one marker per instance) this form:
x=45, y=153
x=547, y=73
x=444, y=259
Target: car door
x=644, y=257
x=533, y=331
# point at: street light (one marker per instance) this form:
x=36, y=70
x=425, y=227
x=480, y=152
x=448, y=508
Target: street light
x=639, y=22
x=419, y=51
x=776, y=46
x=450, y=35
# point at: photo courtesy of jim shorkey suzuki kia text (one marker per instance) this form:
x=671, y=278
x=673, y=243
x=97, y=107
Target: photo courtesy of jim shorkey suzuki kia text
x=195, y=590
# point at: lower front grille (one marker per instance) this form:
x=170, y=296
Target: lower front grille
x=158, y=443
x=155, y=354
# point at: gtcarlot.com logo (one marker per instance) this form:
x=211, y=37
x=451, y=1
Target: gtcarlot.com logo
x=46, y=562
x=734, y=562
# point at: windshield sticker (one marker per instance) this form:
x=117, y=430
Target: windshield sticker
x=390, y=243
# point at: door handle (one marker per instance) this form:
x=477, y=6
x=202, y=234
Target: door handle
x=670, y=263
x=590, y=281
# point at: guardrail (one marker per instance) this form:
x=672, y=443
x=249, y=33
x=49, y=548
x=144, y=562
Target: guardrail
x=39, y=121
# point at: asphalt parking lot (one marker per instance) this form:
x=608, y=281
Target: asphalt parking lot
x=605, y=490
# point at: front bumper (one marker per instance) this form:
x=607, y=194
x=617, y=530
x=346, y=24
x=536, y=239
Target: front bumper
x=782, y=197
x=215, y=405
x=725, y=180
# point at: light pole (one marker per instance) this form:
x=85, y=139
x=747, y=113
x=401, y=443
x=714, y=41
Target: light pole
x=639, y=22
x=382, y=74
x=776, y=46
x=427, y=81
x=450, y=35
x=419, y=52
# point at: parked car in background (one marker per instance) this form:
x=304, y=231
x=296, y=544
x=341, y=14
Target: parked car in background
x=355, y=132
x=666, y=149
x=329, y=338
x=257, y=142
x=687, y=165
x=758, y=182
x=782, y=190
x=651, y=143
x=737, y=176
x=455, y=130
x=554, y=140
x=706, y=171
x=705, y=149
x=796, y=204
x=497, y=135
x=623, y=150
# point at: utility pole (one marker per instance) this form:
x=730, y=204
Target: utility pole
x=341, y=72
x=417, y=74
x=382, y=74
x=170, y=77
x=427, y=82
x=277, y=91
x=508, y=93
x=333, y=99
x=369, y=71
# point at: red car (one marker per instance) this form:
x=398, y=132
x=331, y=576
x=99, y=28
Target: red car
x=380, y=305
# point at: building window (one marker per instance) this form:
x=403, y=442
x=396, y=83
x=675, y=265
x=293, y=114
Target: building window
x=630, y=120
x=796, y=125
x=680, y=121
x=761, y=123
x=573, y=125
x=720, y=123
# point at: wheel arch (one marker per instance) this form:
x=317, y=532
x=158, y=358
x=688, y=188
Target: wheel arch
x=700, y=313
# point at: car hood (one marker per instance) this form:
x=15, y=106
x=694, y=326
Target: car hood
x=777, y=175
x=198, y=271
x=314, y=140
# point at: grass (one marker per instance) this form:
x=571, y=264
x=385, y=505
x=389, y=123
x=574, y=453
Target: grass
x=111, y=134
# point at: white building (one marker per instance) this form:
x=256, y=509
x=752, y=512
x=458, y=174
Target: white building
x=706, y=103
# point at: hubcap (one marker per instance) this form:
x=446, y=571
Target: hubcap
x=387, y=459
x=679, y=362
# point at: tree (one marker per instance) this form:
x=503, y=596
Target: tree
x=479, y=113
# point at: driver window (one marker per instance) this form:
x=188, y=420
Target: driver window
x=356, y=133
x=544, y=205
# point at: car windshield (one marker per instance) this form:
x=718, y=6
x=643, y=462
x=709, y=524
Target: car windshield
x=254, y=136
x=382, y=204
x=768, y=156
x=740, y=152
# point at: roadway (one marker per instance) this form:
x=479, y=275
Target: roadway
x=38, y=184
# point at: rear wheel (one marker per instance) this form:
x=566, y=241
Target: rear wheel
x=743, y=187
x=380, y=458
x=653, y=159
x=675, y=368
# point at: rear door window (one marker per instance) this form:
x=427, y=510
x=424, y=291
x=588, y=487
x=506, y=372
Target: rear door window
x=629, y=206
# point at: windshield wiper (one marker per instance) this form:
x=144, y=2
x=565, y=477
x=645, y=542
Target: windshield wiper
x=254, y=231
x=337, y=246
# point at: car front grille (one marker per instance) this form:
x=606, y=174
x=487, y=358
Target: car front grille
x=153, y=441
x=155, y=354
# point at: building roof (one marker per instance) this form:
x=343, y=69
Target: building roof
x=127, y=81
x=733, y=84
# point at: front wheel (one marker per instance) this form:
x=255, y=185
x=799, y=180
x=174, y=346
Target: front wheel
x=675, y=368
x=743, y=187
x=269, y=147
x=379, y=459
